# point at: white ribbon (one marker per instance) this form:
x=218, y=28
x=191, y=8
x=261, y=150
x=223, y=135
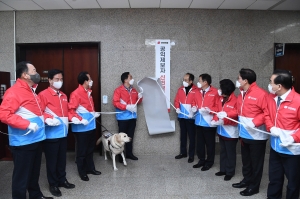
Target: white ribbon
x=265, y=132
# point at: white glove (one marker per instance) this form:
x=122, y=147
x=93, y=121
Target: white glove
x=194, y=109
x=213, y=123
x=274, y=131
x=207, y=109
x=287, y=141
x=96, y=115
x=220, y=122
x=49, y=121
x=84, y=122
x=129, y=107
x=140, y=95
x=178, y=111
x=203, y=111
x=75, y=120
x=56, y=122
x=221, y=115
x=33, y=127
x=249, y=124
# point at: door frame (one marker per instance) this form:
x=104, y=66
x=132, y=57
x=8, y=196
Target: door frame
x=286, y=44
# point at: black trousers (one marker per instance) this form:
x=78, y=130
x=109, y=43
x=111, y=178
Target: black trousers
x=85, y=144
x=206, y=142
x=55, y=153
x=280, y=165
x=187, y=128
x=228, y=156
x=26, y=173
x=253, y=156
x=128, y=127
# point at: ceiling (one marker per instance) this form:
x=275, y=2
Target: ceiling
x=9, y=5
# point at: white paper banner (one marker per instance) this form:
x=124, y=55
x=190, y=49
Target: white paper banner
x=155, y=107
x=162, y=66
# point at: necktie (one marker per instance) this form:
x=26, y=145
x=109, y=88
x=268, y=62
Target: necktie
x=278, y=101
x=203, y=93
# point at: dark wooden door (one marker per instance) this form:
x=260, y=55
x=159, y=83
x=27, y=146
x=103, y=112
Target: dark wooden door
x=290, y=61
x=71, y=58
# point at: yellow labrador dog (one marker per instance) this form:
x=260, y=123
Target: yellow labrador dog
x=114, y=143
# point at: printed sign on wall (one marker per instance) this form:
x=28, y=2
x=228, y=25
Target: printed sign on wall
x=162, y=66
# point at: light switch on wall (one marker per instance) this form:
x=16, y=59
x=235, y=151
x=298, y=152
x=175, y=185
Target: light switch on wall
x=104, y=99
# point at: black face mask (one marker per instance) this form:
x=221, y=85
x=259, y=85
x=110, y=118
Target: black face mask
x=35, y=78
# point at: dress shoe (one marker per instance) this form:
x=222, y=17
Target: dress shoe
x=198, y=165
x=227, y=177
x=84, y=177
x=205, y=168
x=66, y=185
x=220, y=173
x=55, y=191
x=44, y=197
x=180, y=156
x=249, y=192
x=132, y=157
x=190, y=160
x=94, y=172
x=240, y=185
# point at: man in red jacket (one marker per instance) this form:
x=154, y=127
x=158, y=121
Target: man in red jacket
x=124, y=99
x=205, y=99
x=55, y=145
x=251, y=105
x=282, y=120
x=183, y=100
x=83, y=116
x=22, y=110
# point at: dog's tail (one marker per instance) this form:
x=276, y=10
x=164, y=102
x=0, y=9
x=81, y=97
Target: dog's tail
x=98, y=141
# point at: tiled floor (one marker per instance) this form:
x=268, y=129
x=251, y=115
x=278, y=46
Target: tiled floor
x=150, y=177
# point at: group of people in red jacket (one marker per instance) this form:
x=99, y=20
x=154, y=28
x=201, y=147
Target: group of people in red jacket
x=40, y=122
x=253, y=117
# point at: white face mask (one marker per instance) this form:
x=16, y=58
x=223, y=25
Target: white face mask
x=185, y=84
x=57, y=85
x=131, y=81
x=237, y=84
x=270, y=89
x=91, y=83
x=199, y=84
x=220, y=92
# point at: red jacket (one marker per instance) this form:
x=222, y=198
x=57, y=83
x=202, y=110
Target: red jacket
x=251, y=107
x=20, y=107
x=18, y=96
x=287, y=116
x=182, y=98
x=80, y=97
x=184, y=101
x=210, y=99
x=123, y=97
x=230, y=108
x=57, y=105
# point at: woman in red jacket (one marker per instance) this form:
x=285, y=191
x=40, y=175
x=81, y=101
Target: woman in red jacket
x=227, y=130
